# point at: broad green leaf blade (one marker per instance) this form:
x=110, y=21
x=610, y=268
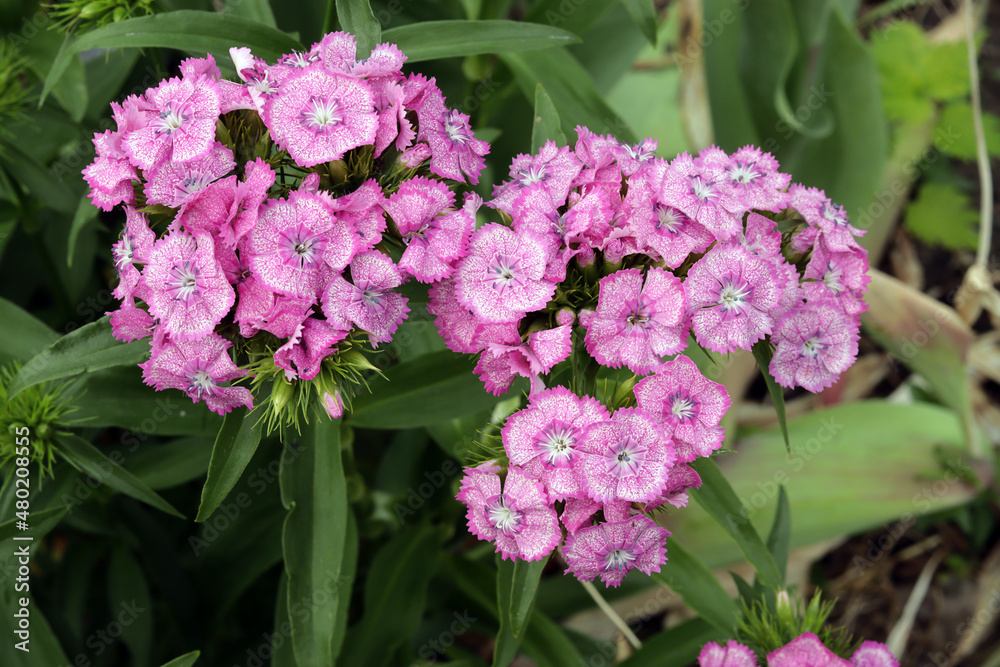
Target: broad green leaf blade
x=688, y=576
x=356, y=17
x=395, y=596
x=546, y=124
x=780, y=537
x=42, y=647
x=89, y=348
x=430, y=40
x=348, y=571
x=314, y=492
x=186, y=660
x=943, y=215
x=24, y=335
x=255, y=10
x=234, y=447
x=171, y=464
x=643, y=12
x=38, y=178
x=517, y=585
x=576, y=16
x=762, y=353
x=85, y=212
x=185, y=30
x=84, y=456
x=128, y=595
x=284, y=655
x=572, y=90
x=432, y=388
x=71, y=89
x=677, y=647
x=720, y=501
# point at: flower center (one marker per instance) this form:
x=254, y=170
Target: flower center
x=743, y=173
x=813, y=347
x=183, y=282
x=533, y=174
x=190, y=184
x=172, y=118
x=299, y=247
x=503, y=518
x=684, y=408
x=833, y=278
x=733, y=296
x=200, y=382
x=371, y=296
x=299, y=60
x=626, y=458
x=457, y=128
x=638, y=153
x=503, y=273
x=124, y=253
x=668, y=219
x=834, y=214
x=706, y=192
x=618, y=559
x=321, y=114
x=639, y=317
x=555, y=444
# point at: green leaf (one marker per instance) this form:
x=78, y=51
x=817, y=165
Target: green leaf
x=37, y=178
x=955, y=134
x=84, y=456
x=43, y=646
x=395, y=596
x=24, y=335
x=430, y=40
x=517, y=585
x=780, y=537
x=677, y=647
x=234, y=447
x=186, y=30
x=762, y=353
x=284, y=655
x=432, y=388
x=128, y=595
x=687, y=575
x=171, y=464
x=40, y=523
x=943, y=215
x=348, y=572
x=89, y=348
x=85, y=212
x=314, y=492
x=572, y=90
x=70, y=90
x=546, y=124
x=717, y=497
x=186, y=660
x=356, y=17
x=643, y=12
x=255, y=10
x=576, y=16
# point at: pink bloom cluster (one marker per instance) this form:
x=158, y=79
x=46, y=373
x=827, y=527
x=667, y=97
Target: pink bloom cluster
x=803, y=651
x=256, y=211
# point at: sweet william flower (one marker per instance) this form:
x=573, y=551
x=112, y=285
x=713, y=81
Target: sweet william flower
x=368, y=302
x=173, y=183
x=754, y=177
x=180, y=116
x=611, y=550
x=304, y=352
x=519, y=519
x=552, y=169
x=827, y=219
x=814, y=344
x=806, y=650
x=455, y=151
x=133, y=247
x=733, y=654
x=702, y=192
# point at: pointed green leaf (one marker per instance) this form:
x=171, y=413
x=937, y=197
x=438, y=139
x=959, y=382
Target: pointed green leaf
x=432, y=388
x=186, y=30
x=395, y=596
x=43, y=646
x=762, y=353
x=677, y=647
x=687, y=575
x=186, y=660
x=84, y=456
x=517, y=585
x=356, y=17
x=643, y=12
x=37, y=178
x=85, y=212
x=128, y=592
x=348, y=571
x=717, y=497
x=171, y=464
x=71, y=89
x=429, y=40
x=780, y=537
x=40, y=523
x=255, y=10
x=314, y=492
x=546, y=124
x=284, y=655
x=234, y=447
x=24, y=335
x=89, y=348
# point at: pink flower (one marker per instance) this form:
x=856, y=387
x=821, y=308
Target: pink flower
x=546, y=438
x=733, y=655
x=197, y=368
x=228, y=208
x=297, y=242
x=173, y=183
x=111, y=174
x=189, y=291
x=180, y=116
x=578, y=511
x=436, y=236
x=756, y=181
x=362, y=209
x=637, y=322
x=502, y=276
x=762, y=237
x=633, y=158
x=502, y=360
x=680, y=478
x=873, y=654
x=318, y=116
x=805, y=651
x=133, y=247
x=689, y=405
x=455, y=151
x=368, y=302
x=520, y=520
x=611, y=550
x=130, y=323
x=730, y=293
x=626, y=458
x=552, y=169
x=304, y=352
x=333, y=404
x=701, y=191
x=840, y=276
x=814, y=344
x=827, y=217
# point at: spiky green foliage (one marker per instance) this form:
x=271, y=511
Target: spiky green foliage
x=43, y=408
x=13, y=89
x=83, y=15
x=765, y=627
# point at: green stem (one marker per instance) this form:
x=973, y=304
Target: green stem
x=982, y=159
x=603, y=605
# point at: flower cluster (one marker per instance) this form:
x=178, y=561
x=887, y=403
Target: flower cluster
x=256, y=243
x=804, y=651
x=615, y=257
